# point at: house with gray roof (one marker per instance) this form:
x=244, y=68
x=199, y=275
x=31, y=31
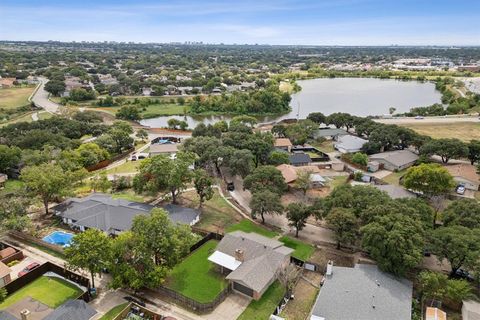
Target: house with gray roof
x=329, y=133
x=252, y=262
x=349, y=144
x=363, y=293
x=72, y=310
x=395, y=160
x=102, y=212
x=299, y=159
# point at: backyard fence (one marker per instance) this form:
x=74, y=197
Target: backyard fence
x=36, y=273
x=106, y=163
x=17, y=256
x=23, y=237
x=306, y=264
x=191, y=304
x=205, y=239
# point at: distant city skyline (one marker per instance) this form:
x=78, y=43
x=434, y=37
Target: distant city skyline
x=282, y=22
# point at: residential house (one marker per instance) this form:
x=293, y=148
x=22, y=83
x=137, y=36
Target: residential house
x=72, y=310
x=395, y=192
x=251, y=262
x=290, y=174
x=329, y=133
x=363, y=293
x=7, y=82
x=395, y=160
x=435, y=314
x=169, y=149
x=466, y=174
x=349, y=144
x=4, y=275
x=299, y=159
x=113, y=216
x=283, y=144
x=470, y=310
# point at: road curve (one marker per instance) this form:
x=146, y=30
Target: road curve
x=40, y=98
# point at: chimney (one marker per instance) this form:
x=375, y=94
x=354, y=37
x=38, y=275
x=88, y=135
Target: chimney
x=239, y=256
x=25, y=314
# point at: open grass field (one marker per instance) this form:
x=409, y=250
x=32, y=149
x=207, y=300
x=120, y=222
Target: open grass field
x=48, y=290
x=112, y=313
x=464, y=131
x=249, y=226
x=303, y=251
x=127, y=167
x=217, y=215
x=154, y=110
x=11, y=98
x=394, y=177
x=195, y=277
x=263, y=308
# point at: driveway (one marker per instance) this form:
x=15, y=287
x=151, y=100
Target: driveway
x=20, y=266
x=40, y=98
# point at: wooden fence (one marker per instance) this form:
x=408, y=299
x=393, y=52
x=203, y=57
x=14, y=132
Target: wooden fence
x=17, y=256
x=106, y=163
x=23, y=237
x=36, y=273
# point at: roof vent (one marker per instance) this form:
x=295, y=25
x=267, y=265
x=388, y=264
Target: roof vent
x=329, y=268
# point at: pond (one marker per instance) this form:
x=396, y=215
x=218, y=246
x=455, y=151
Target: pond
x=357, y=96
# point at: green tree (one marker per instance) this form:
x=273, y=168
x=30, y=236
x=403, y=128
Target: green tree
x=173, y=123
x=432, y=285
x=3, y=294
x=132, y=266
x=203, y=185
x=142, y=134
x=459, y=290
x=345, y=225
x=100, y=182
x=160, y=173
x=130, y=112
x=395, y=242
x=89, y=250
x=445, y=148
x=241, y=162
x=457, y=244
x=474, y=151
x=317, y=117
x=265, y=178
x=9, y=157
x=303, y=181
x=13, y=211
x=297, y=215
x=55, y=87
x=244, y=119
x=47, y=181
x=166, y=241
x=276, y=158
x=90, y=154
x=464, y=212
x=265, y=202
x=360, y=159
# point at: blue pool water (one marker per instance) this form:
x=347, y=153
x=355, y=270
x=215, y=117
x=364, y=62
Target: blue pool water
x=59, y=238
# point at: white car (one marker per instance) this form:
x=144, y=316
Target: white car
x=419, y=118
x=461, y=189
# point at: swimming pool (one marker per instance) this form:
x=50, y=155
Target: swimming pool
x=59, y=238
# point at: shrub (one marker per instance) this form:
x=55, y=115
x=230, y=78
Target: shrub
x=360, y=159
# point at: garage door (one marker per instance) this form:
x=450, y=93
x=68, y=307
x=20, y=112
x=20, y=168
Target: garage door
x=241, y=288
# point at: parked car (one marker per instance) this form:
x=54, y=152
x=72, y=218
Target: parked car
x=132, y=299
x=464, y=274
x=419, y=117
x=461, y=189
x=28, y=268
x=230, y=186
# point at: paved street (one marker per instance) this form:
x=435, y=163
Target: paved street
x=40, y=98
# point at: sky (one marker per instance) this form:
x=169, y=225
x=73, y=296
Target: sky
x=277, y=22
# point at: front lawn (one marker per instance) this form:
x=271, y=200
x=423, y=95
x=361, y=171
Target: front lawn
x=263, y=308
x=48, y=290
x=249, y=226
x=394, y=177
x=196, y=277
x=303, y=251
x=126, y=167
x=115, y=311
x=15, y=97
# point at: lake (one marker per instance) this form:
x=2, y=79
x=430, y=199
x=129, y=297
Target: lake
x=357, y=96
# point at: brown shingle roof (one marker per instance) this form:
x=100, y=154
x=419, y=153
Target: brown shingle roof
x=464, y=170
x=283, y=142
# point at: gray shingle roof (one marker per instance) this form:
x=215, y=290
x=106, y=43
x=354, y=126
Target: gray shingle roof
x=364, y=293
x=397, y=158
x=299, y=158
x=329, y=132
x=262, y=258
x=395, y=192
x=349, y=142
x=101, y=211
x=4, y=315
x=72, y=310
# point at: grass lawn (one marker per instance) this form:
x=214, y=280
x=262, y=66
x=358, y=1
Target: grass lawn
x=217, y=214
x=154, y=110
x=11, y=98
x=12, y=185
x=337, y=181
x=196, y=277
x=127, y=167
x=249, y=226
x=128, y=195
x=394, y=177
x=48, y=290
x=464, y=131
x=263, y=308
x=303, y=250
x=112, y=313
x=325, y=146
